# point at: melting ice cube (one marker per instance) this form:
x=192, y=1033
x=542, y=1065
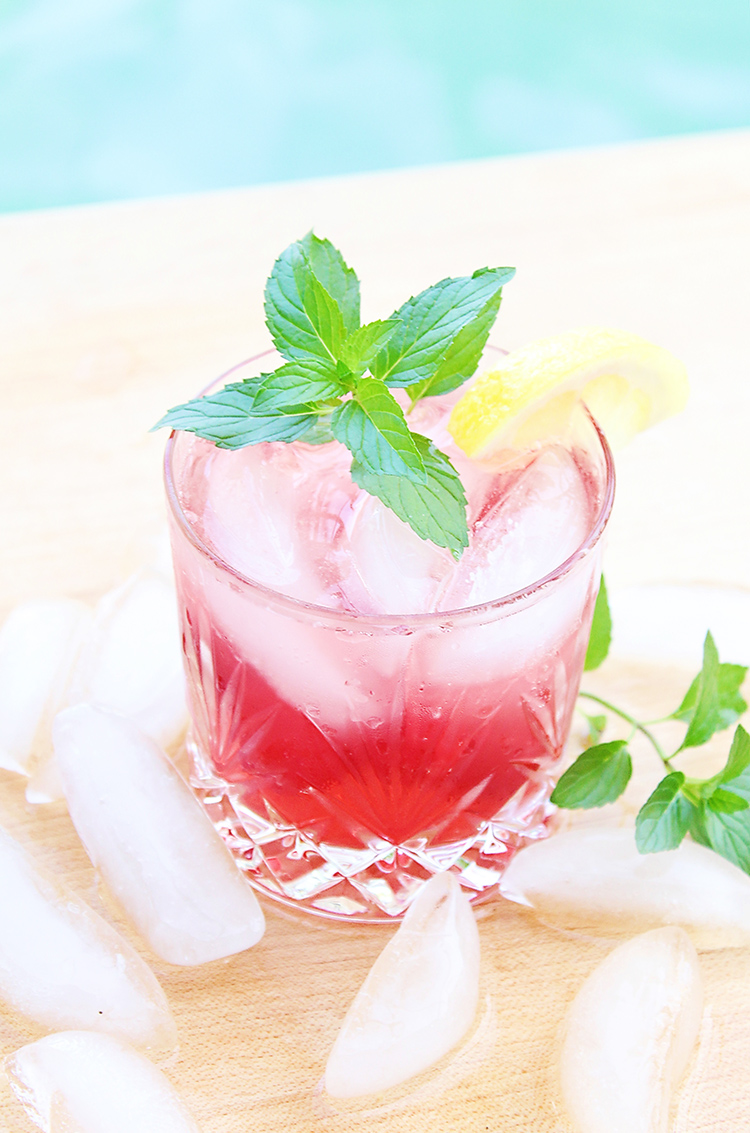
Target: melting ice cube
x=63, y=966
x=39, y=643
x=594, y=879
x=629, y=1035
x=132, y=662
x=77, y=1081
x=418, y=1000
x=155, y=847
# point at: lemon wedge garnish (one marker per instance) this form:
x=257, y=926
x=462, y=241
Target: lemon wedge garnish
x=627, y=383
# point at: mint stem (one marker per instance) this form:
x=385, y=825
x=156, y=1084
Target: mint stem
x=635, y=724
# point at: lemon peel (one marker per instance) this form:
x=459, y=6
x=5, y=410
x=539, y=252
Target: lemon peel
x=627, y=383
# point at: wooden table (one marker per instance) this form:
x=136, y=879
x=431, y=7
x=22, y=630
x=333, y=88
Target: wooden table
x=108, y=314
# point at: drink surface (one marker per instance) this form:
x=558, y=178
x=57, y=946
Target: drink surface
x=389, y=720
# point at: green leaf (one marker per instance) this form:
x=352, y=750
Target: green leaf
x=730, y=704
x=361, y=346
x=239, y=397
x=599, y=776
x=736, y=771
x=298, y=383
x=721, y=816
x=302, y=316
x=435, y=510
x=228, y=419
x=697, y=826
x=726, y=802
x=735, y=774
x=372, y=426
x=463, y=354
x=704, y=712
x=430, y=322
x=664, y=818
x=727, y=833
x=600, y=637
x=339, y=280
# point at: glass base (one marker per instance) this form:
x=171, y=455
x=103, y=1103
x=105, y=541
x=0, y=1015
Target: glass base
x=372, y=881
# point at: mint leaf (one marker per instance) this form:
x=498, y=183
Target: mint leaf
x=361, y=346
x=702, y=704
x=228, y=419
x=435, y=510
x=664, y=819
x=734, y=775
x=726, y=802
x=600, y=637
x=599, y=775
x=373, y=428
x=730, y=703
x=430, y=322
x=340, y=281
x=238, y=396
x=729, y=834
x=717, y=810
x=736, y=771
x=302, y=316
x=463, y=354
x=297, y=383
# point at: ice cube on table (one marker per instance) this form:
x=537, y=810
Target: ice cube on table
x=594, y=879
x=153, y=844
x=39, y=644
x=629, y=1035
x=531, y=529
x=418, y=1000
x=132, y=662
x=78, y=1082
x=62, y=965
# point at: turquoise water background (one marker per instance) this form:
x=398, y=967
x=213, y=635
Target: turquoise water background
x=106, y=99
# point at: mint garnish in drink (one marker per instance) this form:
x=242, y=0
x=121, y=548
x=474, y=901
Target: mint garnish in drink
x=337, y=379
x=714, y=811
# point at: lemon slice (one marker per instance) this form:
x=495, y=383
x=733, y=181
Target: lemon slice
x=627, y=383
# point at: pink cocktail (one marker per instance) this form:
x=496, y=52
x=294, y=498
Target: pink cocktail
x=366, y=710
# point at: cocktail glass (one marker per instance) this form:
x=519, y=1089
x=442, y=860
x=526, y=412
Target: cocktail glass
x=347, y=756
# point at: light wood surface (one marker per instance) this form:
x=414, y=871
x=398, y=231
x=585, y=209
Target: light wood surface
x=109, y=314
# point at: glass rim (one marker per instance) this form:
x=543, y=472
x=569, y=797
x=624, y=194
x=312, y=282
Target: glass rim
x=359, y=622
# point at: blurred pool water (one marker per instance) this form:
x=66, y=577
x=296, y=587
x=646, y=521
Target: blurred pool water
x=104, y=99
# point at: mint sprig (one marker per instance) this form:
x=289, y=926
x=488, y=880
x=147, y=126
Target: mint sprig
x=337, y=378
x=713, y=811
